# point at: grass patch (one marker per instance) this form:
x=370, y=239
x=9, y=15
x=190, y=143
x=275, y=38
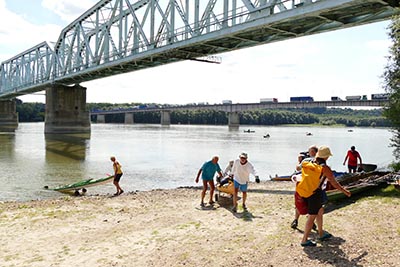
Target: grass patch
x=186, y=225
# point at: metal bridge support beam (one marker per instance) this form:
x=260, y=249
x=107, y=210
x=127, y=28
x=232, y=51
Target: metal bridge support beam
x=66, y=110
x=165, y=118
x=101, y=118
x=129, y=118
x=233, y=119
x=8, y=115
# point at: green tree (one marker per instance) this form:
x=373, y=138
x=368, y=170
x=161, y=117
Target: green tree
x=391, y=78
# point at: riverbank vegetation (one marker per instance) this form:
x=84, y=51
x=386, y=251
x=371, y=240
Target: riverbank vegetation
x=322, y=116
x=391, y=78
x=33, y=112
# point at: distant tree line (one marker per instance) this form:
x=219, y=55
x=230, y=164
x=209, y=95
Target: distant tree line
x=33, y=112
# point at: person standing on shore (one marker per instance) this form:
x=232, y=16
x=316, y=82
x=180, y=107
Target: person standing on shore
x=352, y=156
x=207, y=172
x=242, y=168
x=299, y=208
x=309, y=188
x=117, y=175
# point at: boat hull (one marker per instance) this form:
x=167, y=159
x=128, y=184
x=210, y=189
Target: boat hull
x=82, y=184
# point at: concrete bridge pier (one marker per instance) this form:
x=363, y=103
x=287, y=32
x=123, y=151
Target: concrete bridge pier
x=8, y=115
x=66, y=110
x=233, y=119
x=101, y=119
x=165, y=118
x=129, y=118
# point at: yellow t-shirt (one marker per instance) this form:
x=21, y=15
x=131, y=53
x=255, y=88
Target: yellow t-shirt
x=117, y=167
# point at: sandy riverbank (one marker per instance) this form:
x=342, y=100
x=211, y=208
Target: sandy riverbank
x=168, y=228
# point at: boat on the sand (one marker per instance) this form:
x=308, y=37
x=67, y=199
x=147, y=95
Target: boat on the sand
x=358, y=182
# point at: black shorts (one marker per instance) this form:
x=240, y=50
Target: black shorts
x=354, y=168
x=117, y=177
x=314, y=202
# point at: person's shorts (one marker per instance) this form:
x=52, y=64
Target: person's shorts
x=300, y=203
x=354, y=168
x=324, y=197
x=207, y=179
x=314, y=202
x=117, y=177
x=242, y=187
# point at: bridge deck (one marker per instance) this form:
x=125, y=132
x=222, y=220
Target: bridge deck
x=115, y=37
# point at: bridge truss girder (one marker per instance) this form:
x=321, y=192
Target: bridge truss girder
x=119, y=36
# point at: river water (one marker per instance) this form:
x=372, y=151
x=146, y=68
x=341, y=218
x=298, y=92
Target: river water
x=155, y=156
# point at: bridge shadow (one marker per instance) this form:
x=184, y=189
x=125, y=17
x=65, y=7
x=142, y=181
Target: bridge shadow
x=71, y=146
x=330, y=253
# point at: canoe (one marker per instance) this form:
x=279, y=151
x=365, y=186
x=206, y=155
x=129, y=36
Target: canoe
x=82, y=184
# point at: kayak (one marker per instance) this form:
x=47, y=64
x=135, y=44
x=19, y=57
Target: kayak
x=82, y=184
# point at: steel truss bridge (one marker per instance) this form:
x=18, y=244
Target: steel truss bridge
x=120, y=36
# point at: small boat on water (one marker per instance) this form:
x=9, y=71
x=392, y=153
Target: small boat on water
x=249, y=131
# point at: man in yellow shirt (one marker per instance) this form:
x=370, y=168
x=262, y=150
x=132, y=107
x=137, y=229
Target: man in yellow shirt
x=117, y=175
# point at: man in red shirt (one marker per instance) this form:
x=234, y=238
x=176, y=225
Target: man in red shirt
x=352, y=156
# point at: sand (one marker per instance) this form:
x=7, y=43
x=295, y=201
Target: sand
x=169, y=228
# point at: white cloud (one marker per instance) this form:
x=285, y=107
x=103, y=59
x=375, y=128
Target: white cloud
x=321, y=65
x=17, y=34
x=68, y=10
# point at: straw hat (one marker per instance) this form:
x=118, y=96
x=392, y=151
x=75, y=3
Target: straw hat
x=323, y=152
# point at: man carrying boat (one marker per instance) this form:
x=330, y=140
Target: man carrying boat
x=117, y=175
x=352, y=156
x=242, y=168
x=207, y=172
x=310, y=190
x=299, y=207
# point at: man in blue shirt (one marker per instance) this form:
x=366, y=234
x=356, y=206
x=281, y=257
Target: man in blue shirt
x=207, y=172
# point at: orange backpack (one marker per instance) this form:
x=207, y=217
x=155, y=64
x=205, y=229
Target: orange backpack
x=311, y=174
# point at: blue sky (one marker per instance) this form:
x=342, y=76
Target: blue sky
x=338, y=63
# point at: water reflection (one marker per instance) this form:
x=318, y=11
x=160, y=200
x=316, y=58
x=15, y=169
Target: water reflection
x=8, y=128
x=71, y=146
x=7, y=144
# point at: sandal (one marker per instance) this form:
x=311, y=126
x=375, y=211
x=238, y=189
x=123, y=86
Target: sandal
x=294, y=224
x=308, y=243
x=325, y=236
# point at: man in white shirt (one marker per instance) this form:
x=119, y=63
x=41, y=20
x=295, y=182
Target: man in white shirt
x=241, y=171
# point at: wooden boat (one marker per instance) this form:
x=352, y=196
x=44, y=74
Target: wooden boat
x=357, y=183
x=289, y=177
x=367, y=167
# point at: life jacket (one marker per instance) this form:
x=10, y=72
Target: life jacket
x=311, y=173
